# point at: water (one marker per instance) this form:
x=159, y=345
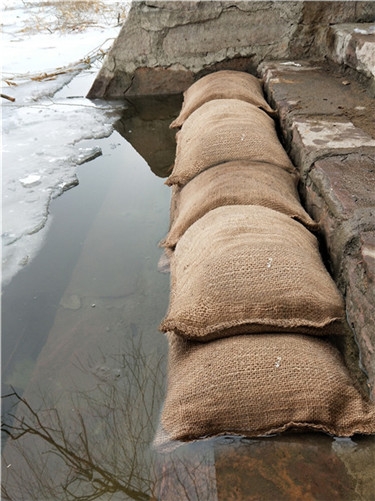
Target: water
x=80, y=334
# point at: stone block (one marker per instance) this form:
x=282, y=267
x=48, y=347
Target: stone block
x=213, y=36
x=327, y=123
x=353, y=45
x=346, y=183
x=339, y=194
x=321, y=113
x=317, y=137
x=338, y=12
x=360, y=302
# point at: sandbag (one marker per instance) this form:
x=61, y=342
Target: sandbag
x=256, y=385
x=223, y=130
x=225, y=84
x=234, y=183
x=250, y=269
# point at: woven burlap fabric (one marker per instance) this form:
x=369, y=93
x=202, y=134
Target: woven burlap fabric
x=225, y=84
x=223, y=130
x=234, y=183
x=255, y=385
x=247, y=268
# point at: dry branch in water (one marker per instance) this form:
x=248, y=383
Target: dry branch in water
x=102, y=448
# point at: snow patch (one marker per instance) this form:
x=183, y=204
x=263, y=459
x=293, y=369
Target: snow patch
x=42, y=129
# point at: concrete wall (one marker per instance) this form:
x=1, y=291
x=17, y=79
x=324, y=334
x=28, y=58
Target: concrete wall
x=165, y=45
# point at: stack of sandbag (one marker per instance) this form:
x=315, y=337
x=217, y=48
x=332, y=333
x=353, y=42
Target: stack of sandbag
x=252, y=305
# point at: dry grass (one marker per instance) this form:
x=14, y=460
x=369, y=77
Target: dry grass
x=71, y=15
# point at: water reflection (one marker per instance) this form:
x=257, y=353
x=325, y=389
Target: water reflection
x=145, y=124
x=87, y=444
x=291, y=467
x=100, y=450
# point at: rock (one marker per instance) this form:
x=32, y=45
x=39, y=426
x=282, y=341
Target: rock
x=318, y=115
x=353, y=45
x=316, y=137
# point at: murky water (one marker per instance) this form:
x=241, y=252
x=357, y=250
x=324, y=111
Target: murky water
x=81, y=348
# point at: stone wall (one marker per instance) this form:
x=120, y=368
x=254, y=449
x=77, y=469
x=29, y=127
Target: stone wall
x=326, y=119
x=165, y=45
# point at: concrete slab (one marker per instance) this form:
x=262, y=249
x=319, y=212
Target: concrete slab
x=197, y=36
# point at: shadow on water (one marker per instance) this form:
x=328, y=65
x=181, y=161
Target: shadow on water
x=145, y=124
x=82, y=351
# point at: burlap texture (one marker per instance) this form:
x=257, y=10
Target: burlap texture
x=225, y=84
x=234, y=183
x=223, y=130
x=255, y=385
x=247, y=268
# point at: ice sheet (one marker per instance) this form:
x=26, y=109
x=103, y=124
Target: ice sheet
x=42, y=128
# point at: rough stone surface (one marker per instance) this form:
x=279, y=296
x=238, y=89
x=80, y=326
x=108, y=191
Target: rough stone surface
x=196, y=36
x=170, y=80
x=339, y=194
x=327, y=124
x=360, y=300
x=316, y=137
x=319, y=109
x=353, y=45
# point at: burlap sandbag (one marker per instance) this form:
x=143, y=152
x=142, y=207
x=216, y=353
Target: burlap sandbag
x=234, y=183
x=255, y=385
x=223, y=130
x=225, y=84
x=246, y=268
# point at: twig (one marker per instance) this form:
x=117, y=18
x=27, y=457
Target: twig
x=4, y=96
